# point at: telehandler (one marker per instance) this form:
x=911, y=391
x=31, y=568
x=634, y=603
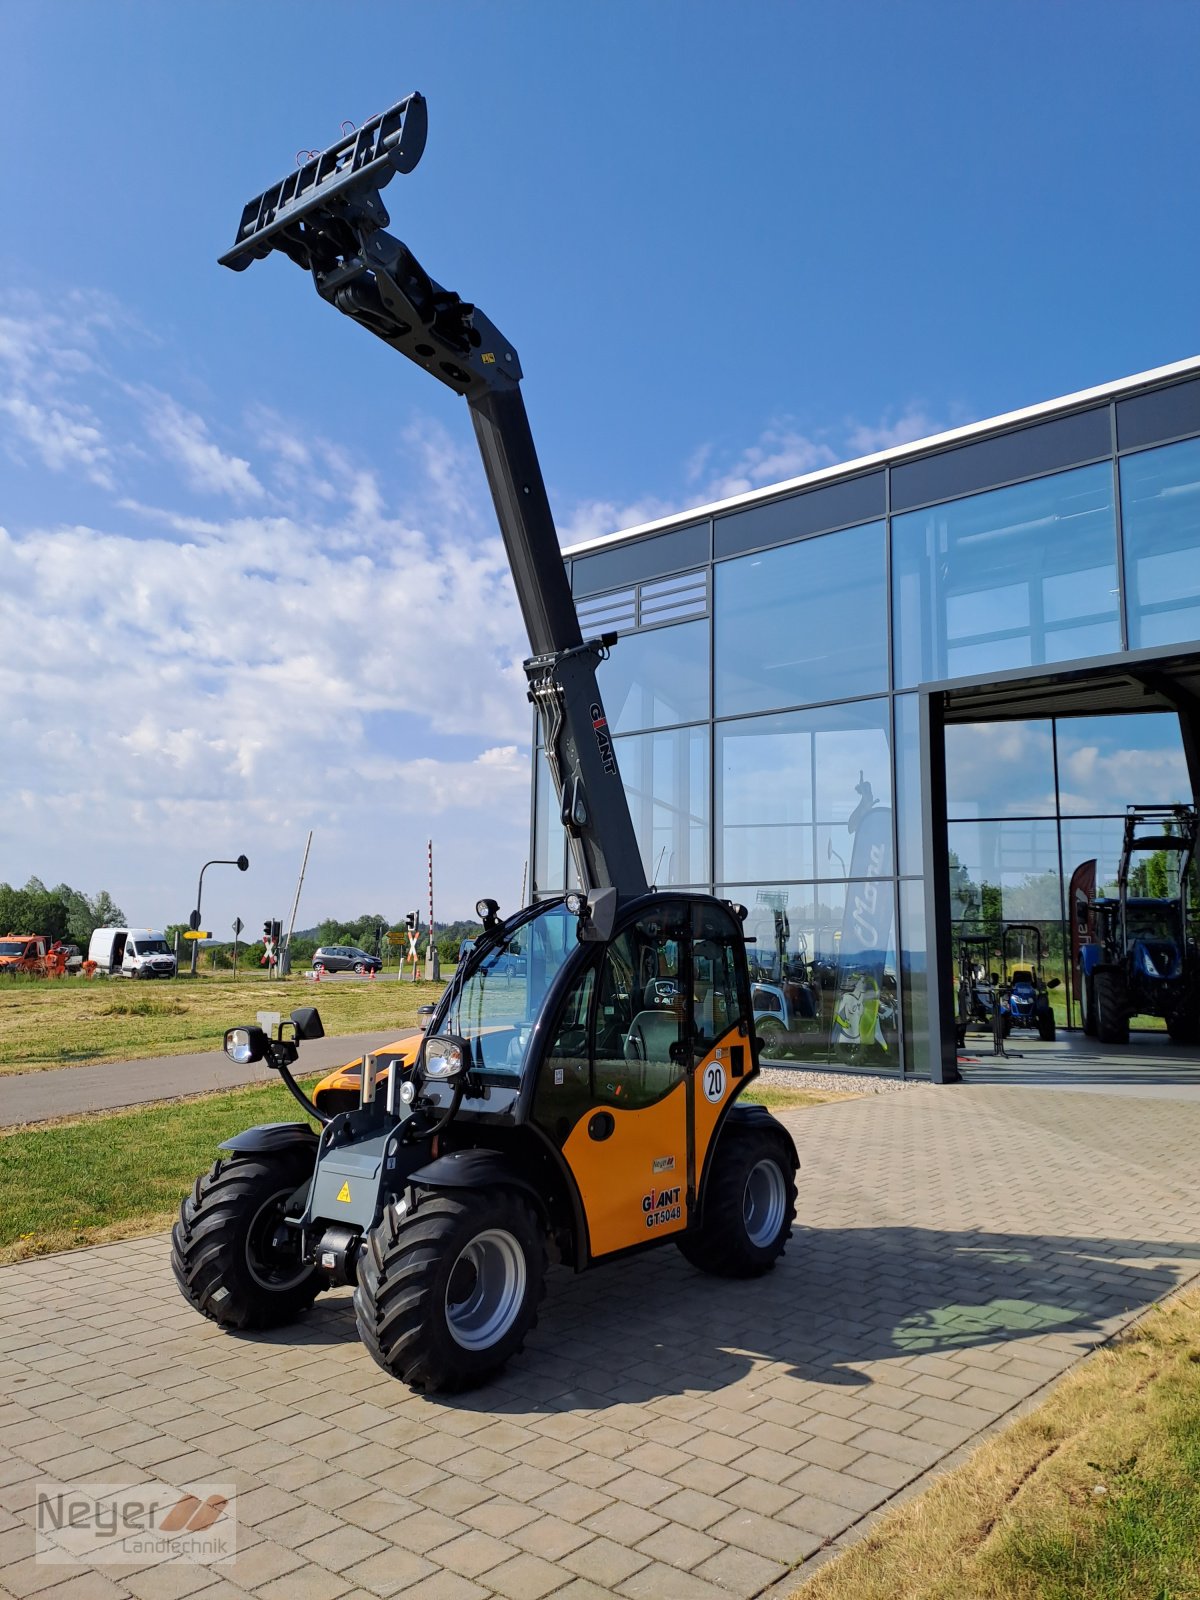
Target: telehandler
x=581, y=1110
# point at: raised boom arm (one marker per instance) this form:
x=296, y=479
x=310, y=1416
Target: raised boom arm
x=328, y=218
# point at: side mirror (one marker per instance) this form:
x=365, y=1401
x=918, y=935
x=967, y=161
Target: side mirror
x=1054, y=983
x=308, y=1023
x=244, y=1045
x=425, y=1016
x=445, y=1057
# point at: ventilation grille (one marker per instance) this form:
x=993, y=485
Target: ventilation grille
x=646, y=605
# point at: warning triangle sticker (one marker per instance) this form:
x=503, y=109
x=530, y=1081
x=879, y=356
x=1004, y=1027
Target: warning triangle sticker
x=344, y=1192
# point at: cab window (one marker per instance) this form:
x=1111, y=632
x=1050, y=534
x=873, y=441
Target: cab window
x=716, y=939
x=640, y=1032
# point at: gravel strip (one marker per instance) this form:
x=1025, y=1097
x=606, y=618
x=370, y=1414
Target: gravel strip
x=832, y=1082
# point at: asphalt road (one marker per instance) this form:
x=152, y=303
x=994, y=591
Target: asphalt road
x=37, y=1096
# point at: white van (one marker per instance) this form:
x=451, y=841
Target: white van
x=131, y=953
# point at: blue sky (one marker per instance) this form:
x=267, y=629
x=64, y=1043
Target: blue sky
x=249, y=580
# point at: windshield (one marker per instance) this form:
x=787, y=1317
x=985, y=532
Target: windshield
x=1151, y=921
x=497, y=1006
x=11, y=947
x=151, y=947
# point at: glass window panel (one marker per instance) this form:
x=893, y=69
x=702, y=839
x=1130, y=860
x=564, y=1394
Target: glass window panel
x=666, y=780
x=1060, y=442
x=1161, y=414
x=549, y=840
x=908, y=783
x=657, y=678
x=803, y=623
x=1004, y=871
x=1160, y=514
x=914, y=988
x=790, y=785
x=1097, y=839
x=630, y=561
x=835, y=505
x=1000, y=769
x=824, y=971
x=1108, y=763
x=1013, y=578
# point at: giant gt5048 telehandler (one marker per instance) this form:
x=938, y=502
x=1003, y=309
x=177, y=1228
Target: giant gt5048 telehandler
x=584, y=1110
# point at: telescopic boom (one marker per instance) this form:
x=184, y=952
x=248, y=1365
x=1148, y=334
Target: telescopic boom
x=328, y=217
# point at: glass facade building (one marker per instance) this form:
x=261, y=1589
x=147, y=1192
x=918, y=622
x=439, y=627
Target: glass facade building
x=774, y=652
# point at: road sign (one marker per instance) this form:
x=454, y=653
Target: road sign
x=396, y=938
x=197, y=933
x=194, y=920
x=238, y=925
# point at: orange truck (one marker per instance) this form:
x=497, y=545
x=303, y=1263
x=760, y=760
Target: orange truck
x=32, y=952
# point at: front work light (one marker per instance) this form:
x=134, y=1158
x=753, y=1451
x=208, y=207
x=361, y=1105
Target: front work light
x=446, y=1056
x=244, y=1045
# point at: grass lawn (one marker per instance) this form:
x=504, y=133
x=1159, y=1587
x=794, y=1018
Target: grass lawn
x=115, y=1174
x=1093, y=1496
x=72, y=1022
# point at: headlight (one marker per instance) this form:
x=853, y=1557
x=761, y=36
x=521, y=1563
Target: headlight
x=576, y=903
x=446, y=1056
x=244, y=1045
x=486, y=910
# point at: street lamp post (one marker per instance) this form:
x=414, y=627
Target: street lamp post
x=242, y=863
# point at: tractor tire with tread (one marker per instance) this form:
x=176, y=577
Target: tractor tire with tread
x=1087, y=1005
x=486, y=1247
x=749, y=1206
x=220, y=1246
x=1047, y=1028
x=1112, y=1006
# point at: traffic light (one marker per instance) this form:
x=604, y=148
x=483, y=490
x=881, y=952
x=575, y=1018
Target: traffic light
x=276, y=933
x=267, y=931
x=412, y=920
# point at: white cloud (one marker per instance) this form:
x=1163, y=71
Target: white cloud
x=183, y=438
x=913, y=422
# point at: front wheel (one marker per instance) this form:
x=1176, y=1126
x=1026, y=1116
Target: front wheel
x=749, y=1206
x=1088, y=1005
x=360, y=968
x=232, y=1254
x=1047, y=1028
x=447, y=1293
x=1112, y=1007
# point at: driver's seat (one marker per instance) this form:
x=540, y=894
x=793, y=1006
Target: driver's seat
x=651, y=1035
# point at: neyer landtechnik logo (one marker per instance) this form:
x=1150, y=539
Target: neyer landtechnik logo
x=93, y=1524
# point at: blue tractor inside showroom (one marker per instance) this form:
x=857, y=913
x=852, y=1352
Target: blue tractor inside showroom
x=1135, y=952
x=1026, y=999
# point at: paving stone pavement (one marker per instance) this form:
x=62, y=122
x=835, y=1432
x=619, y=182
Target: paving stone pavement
x=664, y=1435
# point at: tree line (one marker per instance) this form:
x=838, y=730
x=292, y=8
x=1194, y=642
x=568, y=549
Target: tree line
x=60, y=913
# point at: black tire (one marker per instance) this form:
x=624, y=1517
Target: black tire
x=1112, y=1007
x=220, y=1252
x=1047, y=1030
x=772, y=1033
x=749, y=1206
x=360, y=967
x=415, y=1265
x=1183, y=1025
x=318, y=969
x=1087, y=1005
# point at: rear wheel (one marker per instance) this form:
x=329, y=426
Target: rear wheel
x=360, y=967
x=229, y=1249
x=749, y=1206
x=1088, y=1005
x=1046, y=1027
x=1112, y=1007
x=447, y=1294
x=319, y=968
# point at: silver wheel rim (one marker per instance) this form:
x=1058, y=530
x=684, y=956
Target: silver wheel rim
x=274, y=1280
x=485, y=1290
x=764, y=1203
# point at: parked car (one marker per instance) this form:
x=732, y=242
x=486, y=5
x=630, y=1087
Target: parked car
x=344, y=958
x=131, y=953
x=24, y=952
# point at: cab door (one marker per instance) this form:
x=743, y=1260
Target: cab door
x=615, y=1091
